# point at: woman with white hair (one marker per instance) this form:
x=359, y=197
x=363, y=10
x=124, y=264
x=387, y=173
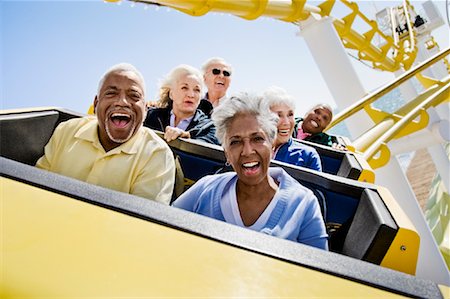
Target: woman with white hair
x=285, y=149
x=177, y=113
x=255, y=196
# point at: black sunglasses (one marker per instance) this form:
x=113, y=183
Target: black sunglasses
x=225, y=73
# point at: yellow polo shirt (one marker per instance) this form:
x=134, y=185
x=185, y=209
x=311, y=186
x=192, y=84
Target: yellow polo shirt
x=143, y=166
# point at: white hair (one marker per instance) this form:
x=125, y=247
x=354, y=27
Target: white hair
x=215, y=60
x=275, y=95
x=244, y=103
x=121, y=67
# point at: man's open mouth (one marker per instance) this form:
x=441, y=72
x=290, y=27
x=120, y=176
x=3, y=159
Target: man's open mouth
x=120, y=120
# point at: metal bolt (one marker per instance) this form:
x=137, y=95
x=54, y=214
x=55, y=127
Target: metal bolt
x=403, y=248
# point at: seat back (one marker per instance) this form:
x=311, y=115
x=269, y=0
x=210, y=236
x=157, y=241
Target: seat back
x=371, y=231
x=349, y=168
x=347, y=205
x=341, y=163
x=24, y=135
x=363, y=225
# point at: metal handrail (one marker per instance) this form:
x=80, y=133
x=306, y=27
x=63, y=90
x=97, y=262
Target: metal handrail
x=401, y=124
x=372, y=97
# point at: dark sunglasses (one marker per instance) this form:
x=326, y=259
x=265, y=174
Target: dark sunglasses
x=225, y=73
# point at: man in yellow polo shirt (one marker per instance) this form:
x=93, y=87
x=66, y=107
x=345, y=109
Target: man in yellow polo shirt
x=114, y=150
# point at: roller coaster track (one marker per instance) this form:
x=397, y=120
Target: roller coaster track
x=396, y=51
x=393, y=54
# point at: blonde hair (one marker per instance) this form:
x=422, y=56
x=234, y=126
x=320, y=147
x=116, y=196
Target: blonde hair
x=171, y=79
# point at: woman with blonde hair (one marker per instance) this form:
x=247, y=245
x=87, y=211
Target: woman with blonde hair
x=177, y=113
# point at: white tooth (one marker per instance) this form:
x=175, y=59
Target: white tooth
x=250, y=164
x=120, y=114
x=284, y=131
x=315, y=124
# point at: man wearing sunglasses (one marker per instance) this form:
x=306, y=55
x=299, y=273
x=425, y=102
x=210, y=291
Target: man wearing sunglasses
x=217, y=75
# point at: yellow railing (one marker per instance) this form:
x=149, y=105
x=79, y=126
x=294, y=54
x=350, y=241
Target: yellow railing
x=294, y=11
x=380, y=145
x=366, y=101
x=373, y=143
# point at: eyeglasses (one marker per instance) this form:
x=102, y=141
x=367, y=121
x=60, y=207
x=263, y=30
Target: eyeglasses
x=217, y=72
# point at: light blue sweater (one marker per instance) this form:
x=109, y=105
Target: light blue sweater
x=296, y=216
x=299, y=154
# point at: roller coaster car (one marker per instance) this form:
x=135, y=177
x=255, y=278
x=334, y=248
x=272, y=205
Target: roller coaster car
x=56, y=230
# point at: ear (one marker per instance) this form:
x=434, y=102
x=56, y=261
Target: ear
x=95, y=104
x=226, y=155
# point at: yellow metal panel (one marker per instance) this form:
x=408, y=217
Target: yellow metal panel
x=367, y=173
x=54, y=246
x=382, y=158
x=445, y=290
x=404, y=250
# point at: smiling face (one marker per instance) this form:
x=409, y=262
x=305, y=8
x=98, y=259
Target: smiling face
x=286, y=123
x=248, y=149
x=316, y=120
x=217, y=83
x=185, y=95
x=120, y=108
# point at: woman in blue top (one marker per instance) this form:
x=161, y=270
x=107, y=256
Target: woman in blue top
x=255, y=196
x=285, y=149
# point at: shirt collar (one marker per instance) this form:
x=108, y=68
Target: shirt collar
x=183, y=124
x=89, y=132
x=301, y=134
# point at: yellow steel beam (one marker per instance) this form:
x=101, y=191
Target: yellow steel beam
x=298, y=10
x=288, y=11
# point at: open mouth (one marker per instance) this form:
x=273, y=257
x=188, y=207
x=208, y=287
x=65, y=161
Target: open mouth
x=250, y=167
x=315, y=124
x=283, y=132
x=120, y=120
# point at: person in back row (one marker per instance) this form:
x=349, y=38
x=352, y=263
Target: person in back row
x=176, y=113
x=217, y=75
x=311, y=126
x=285, y=149
x=255, y=196
x=113, y=150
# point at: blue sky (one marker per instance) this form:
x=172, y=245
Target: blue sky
x=54, y=52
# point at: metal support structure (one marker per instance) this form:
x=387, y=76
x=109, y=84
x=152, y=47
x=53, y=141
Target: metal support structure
x=441, y=161
x=430, y=264
x=343, y=82
x=335, y=66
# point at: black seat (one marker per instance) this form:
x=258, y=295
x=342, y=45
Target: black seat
x=371, y=231
x=17, y=143
x=362, y=225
